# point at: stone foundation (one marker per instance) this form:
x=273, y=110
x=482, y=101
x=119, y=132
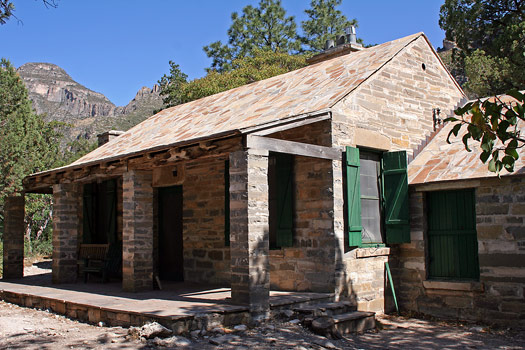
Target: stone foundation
x=499, y=295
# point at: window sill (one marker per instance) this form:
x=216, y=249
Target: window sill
x=371, y=252
x=464, y=286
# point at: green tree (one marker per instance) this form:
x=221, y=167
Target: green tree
x=325, y=21
x=495, y=124
x=27, y=143
x=264, y=27
x=261, y=65
x=171, y=85
x=491, y=36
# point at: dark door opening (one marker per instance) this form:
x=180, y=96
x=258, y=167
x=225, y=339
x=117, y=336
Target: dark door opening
x=171, y=260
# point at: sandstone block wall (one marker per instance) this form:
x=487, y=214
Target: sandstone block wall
x=309, y=265
x=206, y=256
x=392, y=110
x=499, y=295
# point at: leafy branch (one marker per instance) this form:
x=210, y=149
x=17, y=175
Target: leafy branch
x=495, y=124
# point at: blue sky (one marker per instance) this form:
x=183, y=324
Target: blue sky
x=117, y=46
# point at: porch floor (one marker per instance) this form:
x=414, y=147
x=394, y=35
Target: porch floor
x=182, y=306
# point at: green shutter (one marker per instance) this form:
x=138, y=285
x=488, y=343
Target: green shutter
x=226, y=202
x=353, y=197
x=452, y=237
x=87, y=213
x=284, y=172
x=395, y=186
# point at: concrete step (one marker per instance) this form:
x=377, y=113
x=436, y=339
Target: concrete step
x=337, y=325
x=325, y=309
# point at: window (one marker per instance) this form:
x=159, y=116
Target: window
x=376, y=197
x=452, y=238
x=280, y=181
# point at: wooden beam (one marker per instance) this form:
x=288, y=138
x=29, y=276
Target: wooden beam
x=292, y=147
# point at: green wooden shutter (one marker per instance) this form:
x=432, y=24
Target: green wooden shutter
x=226, y=202
x=353, y=196
x=284, y=172
x=87, y=213
x=395, y=187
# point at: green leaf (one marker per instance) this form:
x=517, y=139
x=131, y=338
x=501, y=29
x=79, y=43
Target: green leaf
x=465, y=142
x=516, y=94
x=484, y=156
x=492, y=165
x=451, y=119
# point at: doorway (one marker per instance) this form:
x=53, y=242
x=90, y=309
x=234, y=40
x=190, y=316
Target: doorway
x=171, y=260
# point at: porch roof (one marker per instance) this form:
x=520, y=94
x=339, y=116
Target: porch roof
x=278, y=99
x=441, y=161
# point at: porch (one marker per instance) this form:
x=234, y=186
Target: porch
x=180, y=306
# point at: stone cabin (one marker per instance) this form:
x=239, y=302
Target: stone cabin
x=294, y=183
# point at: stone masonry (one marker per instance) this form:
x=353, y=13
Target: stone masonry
x=137, y=235
x=250, y=270
x=14, y=237
x=309, y=264
x=66, y=223
x=392, y=110
x=499, y=295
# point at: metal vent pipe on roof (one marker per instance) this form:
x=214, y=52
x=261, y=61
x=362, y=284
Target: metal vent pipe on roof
x=351, y=35
x=329, y=44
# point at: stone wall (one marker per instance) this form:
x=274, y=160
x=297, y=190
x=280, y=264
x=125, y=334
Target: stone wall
x=499, y=296
x=309, y=264
x=206, y=256
x=392, y=110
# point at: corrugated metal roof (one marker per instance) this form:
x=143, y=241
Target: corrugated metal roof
x=299, y=92
x=441, y=161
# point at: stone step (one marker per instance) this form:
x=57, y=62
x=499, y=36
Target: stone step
x=337, y=325
x=325, y=309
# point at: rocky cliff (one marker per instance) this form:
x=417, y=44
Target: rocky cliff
x=55, y=94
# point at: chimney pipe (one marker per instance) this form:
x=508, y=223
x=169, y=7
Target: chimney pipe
x=329, y=44
x=351, y=35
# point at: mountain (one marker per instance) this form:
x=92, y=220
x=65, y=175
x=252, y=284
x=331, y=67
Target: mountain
x=55, y=94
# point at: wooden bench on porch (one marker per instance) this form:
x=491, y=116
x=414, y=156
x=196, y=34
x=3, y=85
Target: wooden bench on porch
x=93, y=258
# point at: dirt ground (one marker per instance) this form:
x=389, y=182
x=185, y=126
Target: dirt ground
x=24, y=328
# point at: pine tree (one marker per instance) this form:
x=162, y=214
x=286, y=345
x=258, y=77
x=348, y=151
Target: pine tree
x=264, y=27
x=324, y=23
